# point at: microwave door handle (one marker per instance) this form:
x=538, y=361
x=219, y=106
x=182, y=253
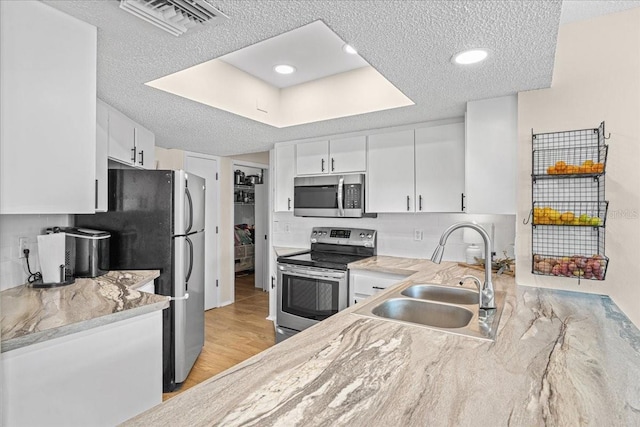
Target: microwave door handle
x=341, y=196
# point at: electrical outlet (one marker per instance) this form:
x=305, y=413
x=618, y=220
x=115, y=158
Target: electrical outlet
x=417, y=234
x=23, y=243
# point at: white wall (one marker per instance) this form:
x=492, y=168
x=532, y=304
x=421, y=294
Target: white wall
x=396, y=232
x=13, y=270
x=596, y=78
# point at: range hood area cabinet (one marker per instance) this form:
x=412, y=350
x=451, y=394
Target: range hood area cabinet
x=340, y=155
x=129, y=142
x=416, y=170
x=48, y=111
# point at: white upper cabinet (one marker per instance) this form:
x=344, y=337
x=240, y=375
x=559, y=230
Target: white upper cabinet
x=390, y=175
x=312, y=158
x=491, y=161
x=283, y=171
x=145, y=148
x=47, y=110
x=439, y=163
x=348, y=154
x=341, y=155
x=129, y=142
x=102, y=148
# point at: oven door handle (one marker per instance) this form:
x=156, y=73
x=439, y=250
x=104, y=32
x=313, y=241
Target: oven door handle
x=341, y=196
x=312, y=274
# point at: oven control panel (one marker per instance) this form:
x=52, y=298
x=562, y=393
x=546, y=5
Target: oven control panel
x=344, y=236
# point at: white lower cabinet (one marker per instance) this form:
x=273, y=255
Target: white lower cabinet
x=364, y=283
x=98, y=377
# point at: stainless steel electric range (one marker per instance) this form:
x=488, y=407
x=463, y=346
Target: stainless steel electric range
x=315, y=285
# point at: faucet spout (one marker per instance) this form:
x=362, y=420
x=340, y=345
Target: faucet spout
x=487, y=297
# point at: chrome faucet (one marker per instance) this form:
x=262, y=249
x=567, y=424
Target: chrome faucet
x=486, y=293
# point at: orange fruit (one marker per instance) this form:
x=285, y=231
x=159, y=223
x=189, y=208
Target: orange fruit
x=598, y=167
x=584, y=169
x=561, y=166
x=571, y=169
x=587, y=163
x=551, y=170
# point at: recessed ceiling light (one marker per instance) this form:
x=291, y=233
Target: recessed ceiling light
x=470, y=56
x=284, y=69
x=349, y=49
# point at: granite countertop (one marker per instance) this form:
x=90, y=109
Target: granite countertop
x=30, y=315
x=560, y=358
x=283, y=251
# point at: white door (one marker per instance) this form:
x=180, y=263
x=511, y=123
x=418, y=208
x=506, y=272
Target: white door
x=207, y=168
x=348, y=154
x=145, y=148
x=262, y=233
x=312, y=158
x=390, y=177
x=440, y=168
x=121, y=137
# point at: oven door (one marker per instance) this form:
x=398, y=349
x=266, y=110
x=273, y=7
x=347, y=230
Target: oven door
x=307, y=295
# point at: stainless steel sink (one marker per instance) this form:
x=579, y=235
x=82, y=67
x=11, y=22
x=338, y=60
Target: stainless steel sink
x=442, y=293
x=444, y=308
x=424, y=313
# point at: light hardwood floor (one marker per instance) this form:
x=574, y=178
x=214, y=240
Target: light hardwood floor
x=232, y=333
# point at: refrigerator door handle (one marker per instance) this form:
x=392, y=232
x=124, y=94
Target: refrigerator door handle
x=186, y=296
x=190, y=202
x=190, y=268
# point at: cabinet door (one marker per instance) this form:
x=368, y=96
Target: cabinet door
x=390, y=175
x=283, y=183
x=102, y=148
x=312, y=158
x=491, y=162
x=439, y=164
x=121, y=137
x=145, y=148
x=348, y=154
x=47, y=110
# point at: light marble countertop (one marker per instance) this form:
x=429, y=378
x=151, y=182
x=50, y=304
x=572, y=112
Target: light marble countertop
x=560, y=359
x=30, y=315
x=283, y=251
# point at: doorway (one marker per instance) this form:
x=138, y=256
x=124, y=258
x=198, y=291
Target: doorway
x=250, y=184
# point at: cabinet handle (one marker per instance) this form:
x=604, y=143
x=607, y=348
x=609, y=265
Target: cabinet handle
x=462, y=202
x=333, y=164
x=379, y=288
x=420, y=202
x=141, y=154
x=96, y=194
x=289, y=204
x=133, y=154
x=322, y=166
x=272, y=282
x=407, y=203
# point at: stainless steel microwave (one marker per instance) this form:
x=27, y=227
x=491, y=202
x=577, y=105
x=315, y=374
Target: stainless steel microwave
x=336, y=196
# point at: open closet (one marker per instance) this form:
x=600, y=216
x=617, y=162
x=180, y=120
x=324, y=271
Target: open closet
x=250, y=223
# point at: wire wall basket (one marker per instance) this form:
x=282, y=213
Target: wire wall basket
x=569, y=210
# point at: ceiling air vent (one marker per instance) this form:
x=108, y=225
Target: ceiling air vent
x=174, y=16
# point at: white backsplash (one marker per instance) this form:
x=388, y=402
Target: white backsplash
x=13, y=269
x=396, y=232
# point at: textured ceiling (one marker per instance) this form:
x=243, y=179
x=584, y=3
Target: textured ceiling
x=409, y=42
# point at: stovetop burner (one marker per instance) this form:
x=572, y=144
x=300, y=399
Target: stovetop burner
x=335, y=248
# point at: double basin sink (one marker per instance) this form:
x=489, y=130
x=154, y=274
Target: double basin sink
x=442, y=307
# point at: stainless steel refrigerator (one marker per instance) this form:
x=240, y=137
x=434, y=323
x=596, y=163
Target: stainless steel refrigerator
x=156, y=221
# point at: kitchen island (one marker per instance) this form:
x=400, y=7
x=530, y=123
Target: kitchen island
x=89, y=353
x=560, y=358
